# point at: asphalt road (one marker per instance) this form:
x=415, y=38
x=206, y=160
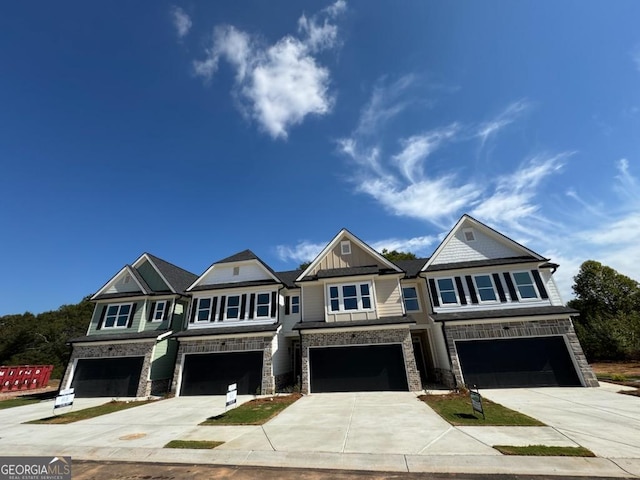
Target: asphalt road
x=87, y=470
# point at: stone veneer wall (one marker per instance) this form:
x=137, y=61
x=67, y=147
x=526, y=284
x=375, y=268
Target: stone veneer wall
x=362, y=337
x=529, y=328
x=219, y=345
x=138, y=349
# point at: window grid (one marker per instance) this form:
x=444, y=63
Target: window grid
x=158, y=313
x=524, y=285
x=486, y=291
x=263, y=305
x=447, y=291
x=411, y=303
x=117, y=316
x=295, y=304
x=350, y=297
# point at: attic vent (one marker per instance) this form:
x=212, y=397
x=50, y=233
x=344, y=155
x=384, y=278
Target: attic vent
x=127, y=278
x=345, y=247
x=469, y=235
x=236, y=271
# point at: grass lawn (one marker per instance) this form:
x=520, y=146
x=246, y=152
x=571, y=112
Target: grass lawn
x=255, y=412
x=17, y=402
x=200, y=444
x=70, y=417
x=544, y=451
x=456, y=409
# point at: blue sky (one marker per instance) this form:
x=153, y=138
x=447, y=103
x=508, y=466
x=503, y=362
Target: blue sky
x=193, y=130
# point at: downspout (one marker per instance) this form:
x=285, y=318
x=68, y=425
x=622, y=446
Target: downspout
x=446, y=342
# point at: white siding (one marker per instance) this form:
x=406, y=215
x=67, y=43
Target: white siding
x=388, y=297
x=552, y=289
x=483, y=247
x=440, y=348
x=313, y=303
x=224, y=274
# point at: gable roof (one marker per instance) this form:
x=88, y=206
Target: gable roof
x=126, y=270
x=333, y=243
x=412, y=267
x=240, y=257
x=177, y=278
x=488, y=231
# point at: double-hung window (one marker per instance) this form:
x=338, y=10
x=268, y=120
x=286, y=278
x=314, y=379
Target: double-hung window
x=295, y=304
x=117, y=316
x=484, y=285
x=356, y=296
x=411, y=303
x=447, y=291
x=263, y=305
x=159, y=311
x=525, y=285
x=204, y=310
x=233, y=307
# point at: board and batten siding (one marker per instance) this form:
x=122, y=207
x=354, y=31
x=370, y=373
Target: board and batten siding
x=482, y=248
x=135, y=324
x=313, y=303
x=388, y=297
x=223, y=273
x=334, y=259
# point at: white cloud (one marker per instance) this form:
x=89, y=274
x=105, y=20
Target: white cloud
x=420, y=246
x=417, y=148
x=509, y=115
x=304, y=251
x=181, y=21
x=278, y=85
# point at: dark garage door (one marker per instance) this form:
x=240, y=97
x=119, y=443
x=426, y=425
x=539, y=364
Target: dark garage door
x=358, y=369
x=212, y=373
x=518, y=362
x=107, y=377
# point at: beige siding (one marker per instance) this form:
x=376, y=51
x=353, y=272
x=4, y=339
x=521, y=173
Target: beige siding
x=388, y=297
x=334, y=259
x=351, y=316
x=313, y=303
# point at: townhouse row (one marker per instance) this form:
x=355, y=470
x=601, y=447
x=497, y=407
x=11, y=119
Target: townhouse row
x=483, y=310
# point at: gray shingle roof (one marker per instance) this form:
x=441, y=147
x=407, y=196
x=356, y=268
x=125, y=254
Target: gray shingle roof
x=412, y=267
x=289, y=277
x=400, y=320
x=240, y=257
x=504, y=313
x=482, y=263
x=349, y=272
x=248, y=283
x=179, y=278
x=244, y=328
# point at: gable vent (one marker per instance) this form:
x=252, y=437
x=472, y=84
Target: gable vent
x=345, y=247
x=469, y=235
x=127, y=278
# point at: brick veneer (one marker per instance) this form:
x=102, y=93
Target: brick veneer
x=139, y=349
x=529, y=328
x=362, y=337
x=240, y=344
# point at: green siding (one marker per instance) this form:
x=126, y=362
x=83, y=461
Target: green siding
x=164, y=359
x=167, y=324
x=135, y=325
x=152, y=278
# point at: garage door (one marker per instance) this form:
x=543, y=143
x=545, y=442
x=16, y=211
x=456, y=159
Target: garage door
x=212, y=373
x=358, y=369
x=107, y=377
x=521, y=362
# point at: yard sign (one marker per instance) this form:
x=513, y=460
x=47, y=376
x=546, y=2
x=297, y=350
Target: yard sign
x=476, y=402
x=232, y=394
x=65, y=398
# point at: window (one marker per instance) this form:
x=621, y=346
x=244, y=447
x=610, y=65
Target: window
x=469, y=234
x=345, y=247
x=350, y=297
x=447, y=291
x=263, y=305
x=295, y=304
x=524, y=284
x=233, y=307
x=158, y=312
x=117, y=316
x=411, y=303
x=204, y=310
x=485, y=288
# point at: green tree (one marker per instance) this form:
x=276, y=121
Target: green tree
x=609, y=305
x=395, y=255
x=304, y=265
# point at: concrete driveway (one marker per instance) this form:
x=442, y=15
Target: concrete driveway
x=600, y=419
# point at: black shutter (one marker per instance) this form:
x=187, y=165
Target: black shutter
x=194, y=309
x=102, y=314
x=167, y=309
x=463, y=297
x=472, y=289
x=510, y=287
x=287, y=306
x=214, y=306
x=274, y=304
x=133, y=311
x=434, y=293
x=223, y=299
x=539, y=284
x=496, y=280
x=252, y=304
x=153, y=307
x=243, y=306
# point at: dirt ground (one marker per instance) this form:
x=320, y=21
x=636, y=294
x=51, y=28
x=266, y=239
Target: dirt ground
x=628, y=369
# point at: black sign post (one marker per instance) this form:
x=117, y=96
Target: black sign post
x=476, y=401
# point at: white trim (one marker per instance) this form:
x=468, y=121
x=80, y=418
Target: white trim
x=359, y=296
x=75, y=365
x=415, y=287
x=455, y=291
x=256, y=261
x=345, y=247
x=115, y=325
x=128, y=270
x=469, y=234
x=155, y=310
x=144, y=255
x=357, y=328
x=537, y=298
x=115, y=342
x=493, y=286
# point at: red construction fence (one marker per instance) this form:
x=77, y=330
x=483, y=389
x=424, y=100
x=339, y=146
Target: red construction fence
x=24, y=377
